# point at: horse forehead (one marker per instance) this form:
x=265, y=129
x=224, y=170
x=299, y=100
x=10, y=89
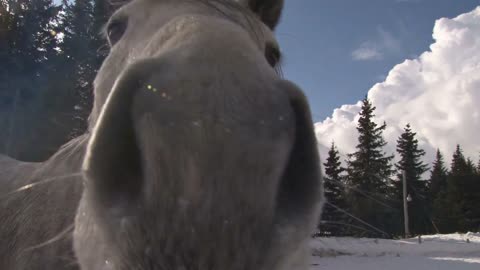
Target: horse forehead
x=208, y=37
x=152, y=15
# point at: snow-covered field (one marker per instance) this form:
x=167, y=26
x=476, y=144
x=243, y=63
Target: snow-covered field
x=436, y=252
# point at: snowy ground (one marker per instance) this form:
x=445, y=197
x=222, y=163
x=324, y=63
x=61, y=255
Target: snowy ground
x=436, y=252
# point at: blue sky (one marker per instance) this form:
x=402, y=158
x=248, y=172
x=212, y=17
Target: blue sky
x=336, y=50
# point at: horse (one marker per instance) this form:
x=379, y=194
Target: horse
x=198, y=154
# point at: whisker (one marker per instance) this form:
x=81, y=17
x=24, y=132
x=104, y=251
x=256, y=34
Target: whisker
x=32, y=185
x=53, y=240
x=69, y=263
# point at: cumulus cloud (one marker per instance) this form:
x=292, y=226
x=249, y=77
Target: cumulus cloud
x=385, y=42
x=438, y=93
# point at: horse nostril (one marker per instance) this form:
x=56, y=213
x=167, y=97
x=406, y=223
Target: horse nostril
x=112, y=164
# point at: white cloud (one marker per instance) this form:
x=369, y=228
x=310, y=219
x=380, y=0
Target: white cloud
x=384, y=43
x=438, y=93
x=367, y=51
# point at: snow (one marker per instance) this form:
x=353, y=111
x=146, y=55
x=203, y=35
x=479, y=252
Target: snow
x=436, y=252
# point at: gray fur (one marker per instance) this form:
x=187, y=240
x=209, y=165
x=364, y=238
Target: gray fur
x=199, y=156
x=31, y=216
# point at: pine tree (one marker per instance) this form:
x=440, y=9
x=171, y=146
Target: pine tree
x=46, y=90
x=460, y=166
x=410, y=162
x=437, y=191
x=84, y=51
x=438, y=177
x=80, y=59
x=102, y=10
x=461, y=201
x=458, y=171
x=471, y=166
x=27, y=47
x=478, y=167
x=333, y=220
x=369, y=171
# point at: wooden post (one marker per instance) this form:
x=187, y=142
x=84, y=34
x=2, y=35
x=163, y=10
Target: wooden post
x=405, y=205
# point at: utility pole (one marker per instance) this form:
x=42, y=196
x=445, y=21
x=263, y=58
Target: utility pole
x=405, y=204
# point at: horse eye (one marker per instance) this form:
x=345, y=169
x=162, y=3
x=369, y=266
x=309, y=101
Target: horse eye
x=272, y=54
x=115, y=31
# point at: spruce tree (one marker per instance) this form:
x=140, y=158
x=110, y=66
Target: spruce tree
x=46, y=90
x=471, y=166
x=411, y=163
x=478, y=167
x=437, y=192
x=333, y=220
x=458, y=172
x=460, y=203
x=102, y=10
x=459, y=166
x=438, y=177
x=26, y=49
x=369, y=171
x=471, y=209
x=84, y=50
x=79, y=62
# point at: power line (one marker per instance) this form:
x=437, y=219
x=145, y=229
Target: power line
x=363, y=193
x=358, y=219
